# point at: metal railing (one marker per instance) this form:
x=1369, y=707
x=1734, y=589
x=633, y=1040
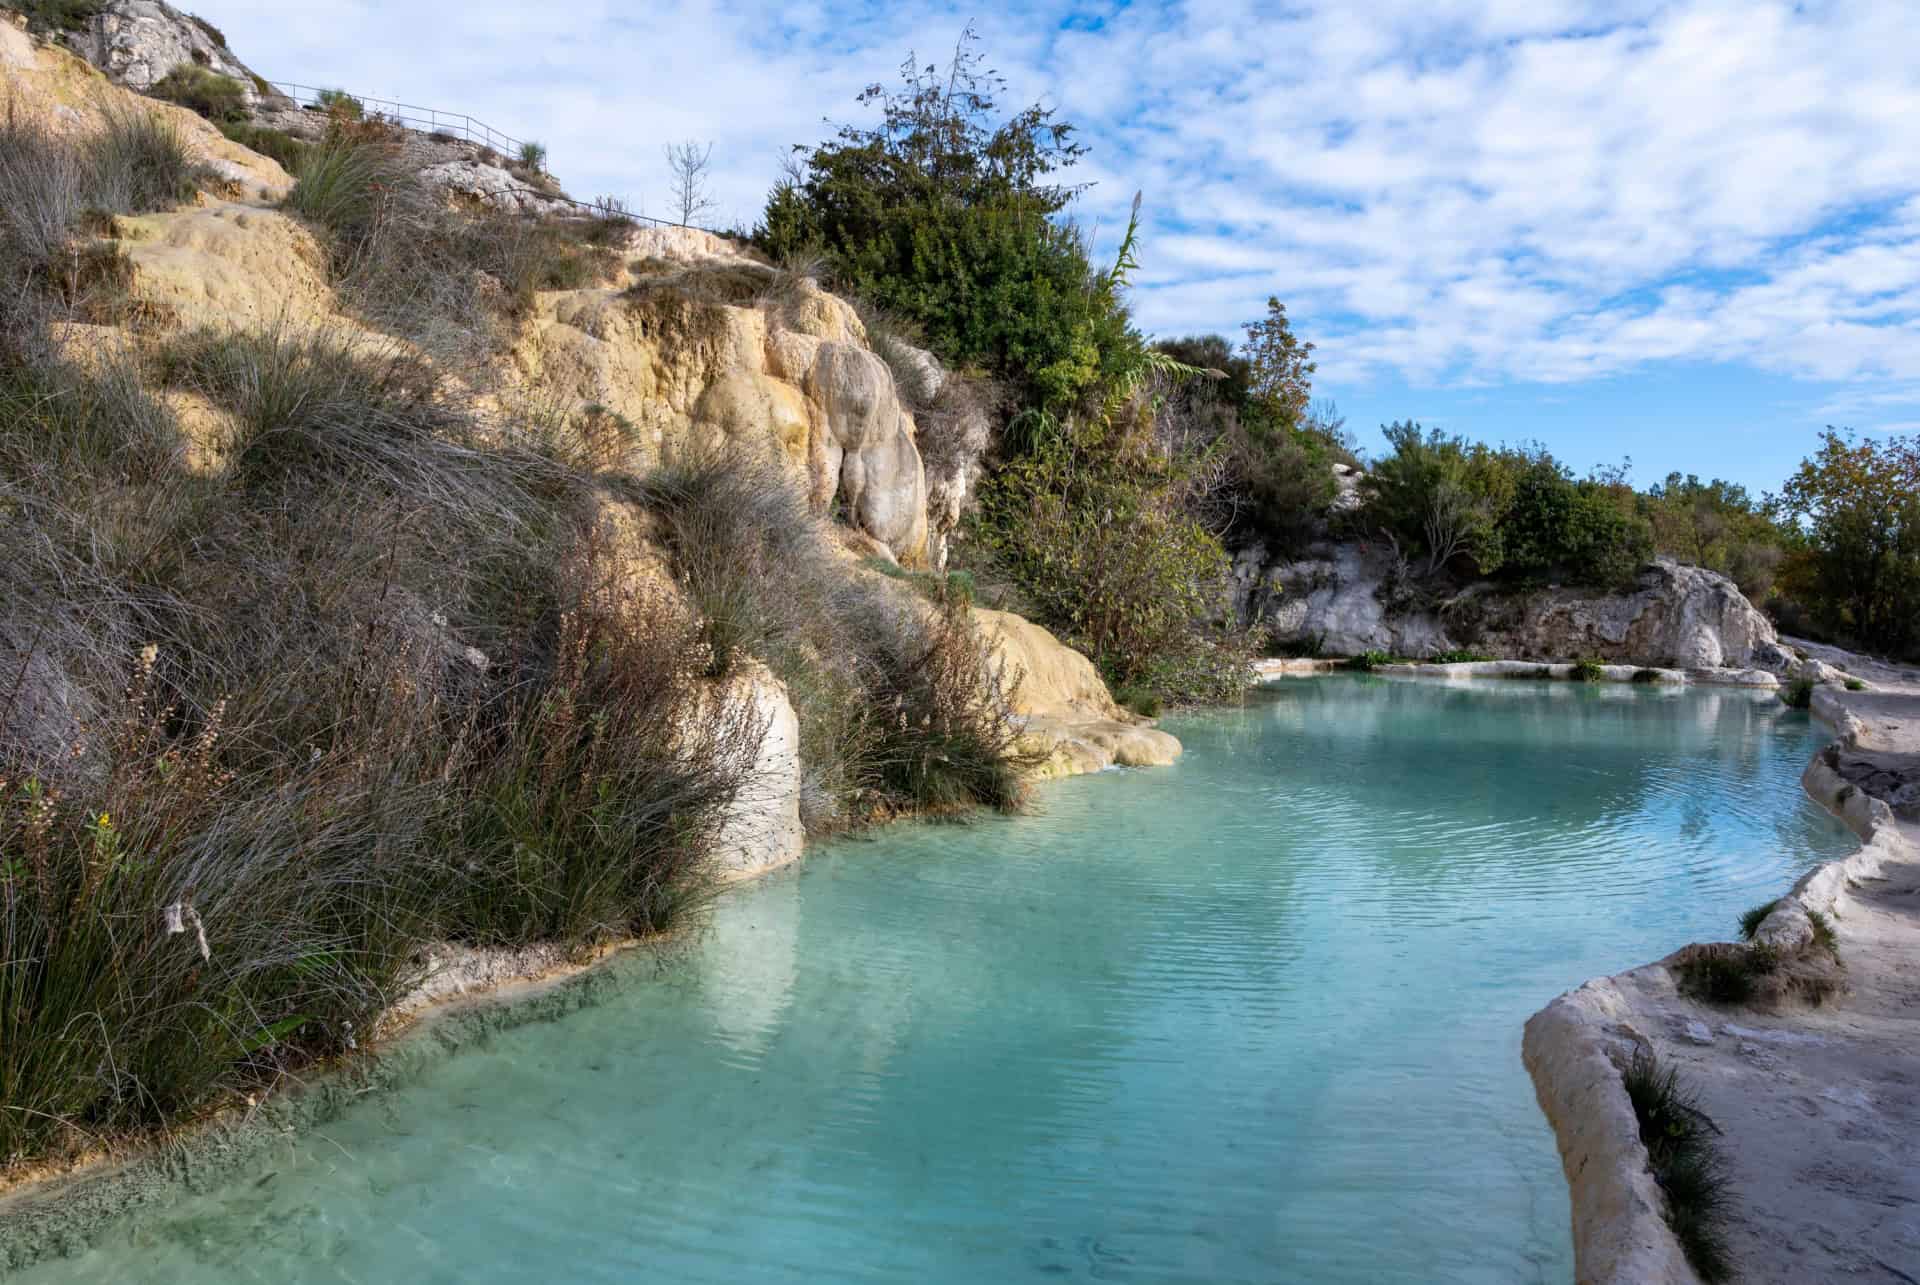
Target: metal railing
x=426, y=120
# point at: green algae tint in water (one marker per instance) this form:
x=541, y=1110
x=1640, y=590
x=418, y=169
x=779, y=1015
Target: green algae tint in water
x=1254, y=1018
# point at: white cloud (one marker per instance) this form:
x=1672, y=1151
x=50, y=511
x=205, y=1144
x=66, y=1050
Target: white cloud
x=1448, y=191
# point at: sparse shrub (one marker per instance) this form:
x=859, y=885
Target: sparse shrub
x=1142, y=701
x=899, y=707
x=1368, y=661
x=1854, y=685
x=140, y=163
x=533, y=156
x=1798, y=694
x=1587, y=671
x=275, y=144
x=1750, y=921
x=1686, y=1164
x=1646, y=676
x=1726, y=975
x=1459, y=656
x=340, y=105
x=219, y=98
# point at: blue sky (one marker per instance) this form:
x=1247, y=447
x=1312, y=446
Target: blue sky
x=1687, y=232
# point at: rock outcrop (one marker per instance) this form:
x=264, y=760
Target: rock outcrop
x=1072, y=724
x=1350, y=598
x=137, y=42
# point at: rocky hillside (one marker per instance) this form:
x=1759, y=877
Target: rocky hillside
x=690, y=343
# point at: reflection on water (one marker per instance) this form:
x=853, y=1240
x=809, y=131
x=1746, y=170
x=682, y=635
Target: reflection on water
x=1252, y=1018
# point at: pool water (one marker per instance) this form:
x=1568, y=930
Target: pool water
x=1253, y=1018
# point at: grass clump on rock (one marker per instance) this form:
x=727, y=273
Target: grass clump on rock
x=1368, y=661
x=1587, y=671
x=1685, y=1162
x=1750, y=921
x=1798, y=694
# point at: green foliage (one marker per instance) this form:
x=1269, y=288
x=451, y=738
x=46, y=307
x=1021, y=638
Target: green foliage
x=1685, y=1162
x=1368, y=661
x=56, y=15
x=1750, y=921
x=341, y=105
x=219, y=98
x=533, y=156
x=943, y=215
x=1798, y=694
x=1092, y=528
x=1459, y=656
x=1857, y=569
x=1855, y=685
x=1646, y=676
x=1280, y=374
x=275, y=144
x=1587, y=671
x=1717, y=525
x=1516, y=513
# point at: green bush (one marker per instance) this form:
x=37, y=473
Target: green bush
x=219, y=98
x=341, y=105
x=533, y=156
x=1726, y=975
x=1459, y=656
x=57, y=15
x=1518, y=514
x=1587, y=671
x=1856, y=568
x=1368, y=661
x=944, y=215
x=1093, y=531
x=1855, y=685
x=1798, y=694
x=1717, y=525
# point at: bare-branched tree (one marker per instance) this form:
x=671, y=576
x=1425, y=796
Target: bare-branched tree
x=687, y=162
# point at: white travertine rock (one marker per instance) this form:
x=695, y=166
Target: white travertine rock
x=137, y=42
x=762, y=829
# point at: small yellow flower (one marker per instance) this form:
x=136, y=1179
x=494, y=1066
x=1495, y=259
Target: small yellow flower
x=106, y=822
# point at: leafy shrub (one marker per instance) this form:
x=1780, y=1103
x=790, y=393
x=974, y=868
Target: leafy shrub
x=1853, y=685
x=57, y=15
x=1798, y=694
x=1717, y=525
x=219, y=98
x=1856, y=572
x=1647, y=676
x=1686, y=1164
x=533, y=156
x=1368, y=661
x=340, y=105
x=1093, y=530
x=943, y=215
x=1587, y=671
